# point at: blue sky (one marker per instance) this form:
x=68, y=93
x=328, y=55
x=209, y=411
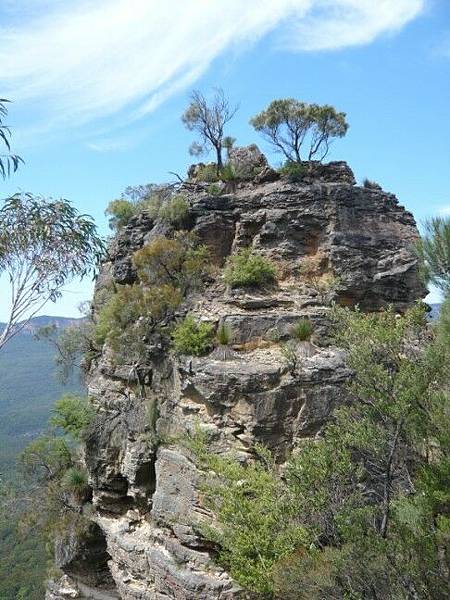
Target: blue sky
x=99, y=87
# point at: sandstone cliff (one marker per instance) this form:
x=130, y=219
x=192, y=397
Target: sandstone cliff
x=143, y=542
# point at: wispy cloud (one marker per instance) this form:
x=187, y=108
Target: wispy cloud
x=91, y=59
x=444, y=211
x=109, y=145
x=332, y=25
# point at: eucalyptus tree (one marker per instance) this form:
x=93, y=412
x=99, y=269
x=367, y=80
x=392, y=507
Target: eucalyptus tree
x=208, y=119
x=289, y=124
x=44, y=245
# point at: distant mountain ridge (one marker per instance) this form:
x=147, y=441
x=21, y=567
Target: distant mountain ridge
x=43, y=321
x=28, y=387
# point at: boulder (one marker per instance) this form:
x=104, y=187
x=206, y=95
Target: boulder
x=247, y=161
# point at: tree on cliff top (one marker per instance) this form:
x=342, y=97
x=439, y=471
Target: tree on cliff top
x=8, y=162
x=209, y=120
x=44, y=244
x=288, y=124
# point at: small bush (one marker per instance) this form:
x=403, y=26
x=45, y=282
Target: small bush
x=192, y=337
x=294, y=171
x=371, y=185
x=75, y=480
x=73, y=414
x=131, y=314
x=245, y=269
x=208, y=173
x=214, y=189
x=181, y=262
x=224, y=335
x=173, y=210
x=120, y=213
x=289, y=353
x=302, y=330
x=228, y=173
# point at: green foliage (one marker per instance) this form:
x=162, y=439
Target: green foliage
x=294, y=171
x=191, y=337
x=168, y=269
x=44, y=244
x=73, y=414
x=157, y=201
x=302, y=330
x=247, y=269
x=214, y=189
x=434, y=252
x=288, y=124
x=75, y=480
x=228, y=173
x=363, y=511
x=75, y=347
x=131, y=314
x=252, y=506
x=289, y=352
x=46, y=458
x=55, y=483
x=120, y=212
x=180, y=262
x=23, y=559
x=9, y=163
x=175, y=210
x=224, y=335
x=171, y=209
x=208, y=173
x=228, y=143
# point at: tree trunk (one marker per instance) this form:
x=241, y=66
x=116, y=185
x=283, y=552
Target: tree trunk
x=219, y=158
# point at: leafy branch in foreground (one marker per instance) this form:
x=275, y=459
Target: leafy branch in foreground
x=8, y=162
x=434, y=252
x=44, y=245
x=75, y=345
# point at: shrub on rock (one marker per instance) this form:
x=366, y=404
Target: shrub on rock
x=302, y=330
x=191, y=337
x=247, y=269
x=120, y=212
x=293, y=171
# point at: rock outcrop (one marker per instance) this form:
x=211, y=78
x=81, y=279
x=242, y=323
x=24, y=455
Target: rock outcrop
x=145, y=484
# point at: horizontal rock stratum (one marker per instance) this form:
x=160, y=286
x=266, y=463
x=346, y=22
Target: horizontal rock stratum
x=146, y=503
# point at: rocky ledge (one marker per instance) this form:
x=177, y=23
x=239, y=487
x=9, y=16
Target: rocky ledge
x=146, y=502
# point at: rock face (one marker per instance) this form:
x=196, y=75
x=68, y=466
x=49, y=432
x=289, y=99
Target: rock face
x=248, y=161
x=145, y=483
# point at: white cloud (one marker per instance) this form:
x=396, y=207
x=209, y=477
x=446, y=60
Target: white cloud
x=109, y=145
x=91, y=59
x=332, y=24
x=444, y=211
